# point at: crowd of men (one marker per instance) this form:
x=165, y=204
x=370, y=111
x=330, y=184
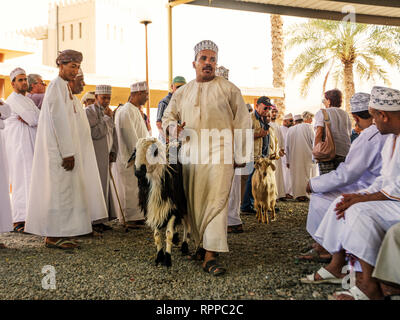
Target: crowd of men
x=67, y=163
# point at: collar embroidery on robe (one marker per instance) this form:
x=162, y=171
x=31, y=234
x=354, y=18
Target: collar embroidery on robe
x=71, y=96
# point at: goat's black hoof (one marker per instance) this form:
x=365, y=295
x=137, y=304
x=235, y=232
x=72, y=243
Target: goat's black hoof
x=160, y=257
x=175, y=238
x=167, y=260
x=185, y=248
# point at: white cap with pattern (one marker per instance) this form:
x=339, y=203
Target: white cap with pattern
x=360, y=102
x=222, y=72
x=297, y=117
x=103, y=89
x=205, y=45
x=288, y=116
x=88, y=96
x=16, y=72
x=385, y=99
x=139, y=86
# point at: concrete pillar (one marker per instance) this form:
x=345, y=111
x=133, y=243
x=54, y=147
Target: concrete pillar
x=2, y=88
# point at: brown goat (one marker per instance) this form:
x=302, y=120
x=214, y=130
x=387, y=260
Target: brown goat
x=264, y=189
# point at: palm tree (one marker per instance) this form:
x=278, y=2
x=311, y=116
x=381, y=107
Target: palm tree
x=278, y=59
x=341, y=49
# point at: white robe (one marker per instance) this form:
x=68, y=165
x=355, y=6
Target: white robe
x=64, y=203
x=20, y=146
x=217, y=104
x=286, y=171
x=130, y=127
x=280, y=183
x=298, y=148
x=365, y=224
x=102, y=130
x=362, y=166
x=387, y=264
x=5, y=205
x=234, y=200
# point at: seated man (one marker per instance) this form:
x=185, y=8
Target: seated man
x=357, y=222
x=362, y=166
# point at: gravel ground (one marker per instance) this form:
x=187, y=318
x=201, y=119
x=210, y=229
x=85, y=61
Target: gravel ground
x=261, y=265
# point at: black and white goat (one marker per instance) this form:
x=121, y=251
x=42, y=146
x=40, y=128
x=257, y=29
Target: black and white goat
x=161, y=194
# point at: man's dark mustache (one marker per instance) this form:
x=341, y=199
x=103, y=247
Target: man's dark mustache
x=207, y=68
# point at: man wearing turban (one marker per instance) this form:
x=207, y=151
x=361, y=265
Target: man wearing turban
x=65, y=192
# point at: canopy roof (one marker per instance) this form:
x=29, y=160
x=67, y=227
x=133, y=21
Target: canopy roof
x=383, y=12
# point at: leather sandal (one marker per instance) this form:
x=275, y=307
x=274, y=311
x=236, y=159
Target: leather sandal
x=214, y=268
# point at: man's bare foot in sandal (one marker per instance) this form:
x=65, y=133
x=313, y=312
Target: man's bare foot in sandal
x=317, y=253
x=332, y=273
x=61, y=243
x=211, y=266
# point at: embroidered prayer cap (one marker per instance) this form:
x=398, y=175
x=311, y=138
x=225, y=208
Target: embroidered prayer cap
x=297, y=117
x=88, y=96
x=16, y=72
x=67, y=56
x=222, y=72
x=139, y=86
x=288, y=116
x=385, y=99
x=205, y=45
x=360, y=102
x=179, y=80
x=103, y=89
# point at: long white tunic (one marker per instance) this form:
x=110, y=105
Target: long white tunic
x=217, y=104
x=286, y=172
x=280, y=183
x=387, y=264
x=20, y=146
x=102, y=129
x=362, y=166
x=298, y=148
x=130, y=127
x=234, y=200
x=5, y=206
x=365, y=224
x=64, y=203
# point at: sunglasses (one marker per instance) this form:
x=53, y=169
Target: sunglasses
x=267, y=108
